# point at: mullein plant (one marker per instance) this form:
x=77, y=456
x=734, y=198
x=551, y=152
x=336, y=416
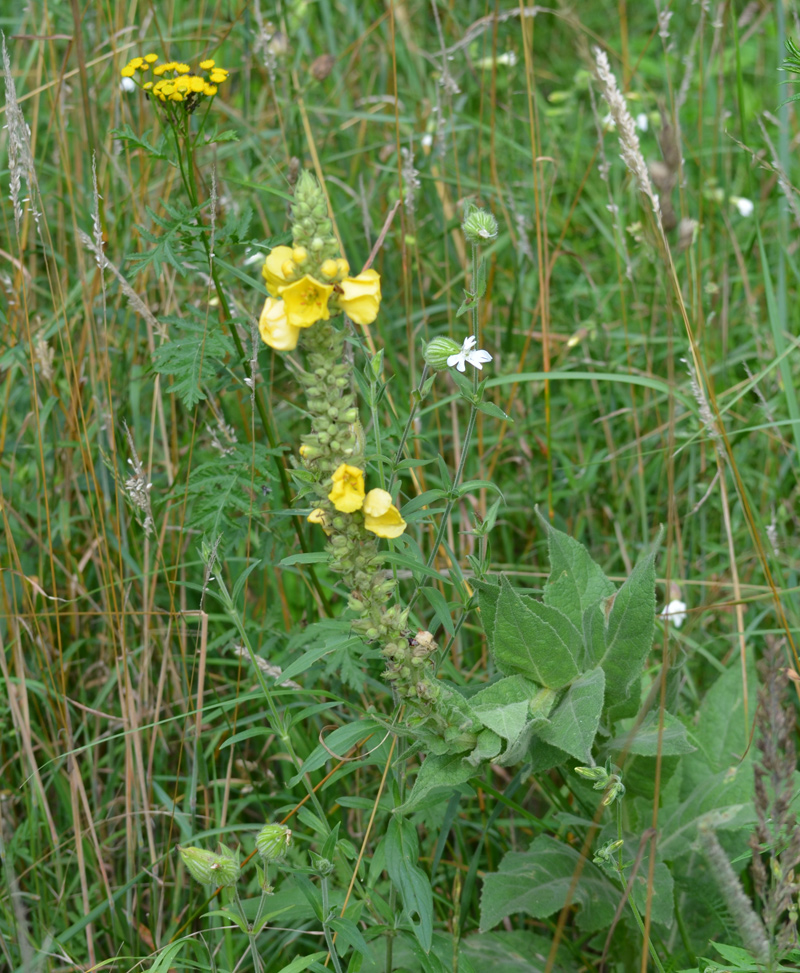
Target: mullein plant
x=310, y=286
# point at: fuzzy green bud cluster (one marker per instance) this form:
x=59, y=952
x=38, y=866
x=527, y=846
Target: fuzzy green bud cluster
x=479, y=226
x=438, y=351
x=272, y=841
x=311, y=227
x=604, y=781
x=209, y=868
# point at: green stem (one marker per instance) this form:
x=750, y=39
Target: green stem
x=406, y=431
x=326, y=909
x=190, y=184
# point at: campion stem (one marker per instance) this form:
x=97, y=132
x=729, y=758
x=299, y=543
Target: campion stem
x=326, y=909
x=409, y=422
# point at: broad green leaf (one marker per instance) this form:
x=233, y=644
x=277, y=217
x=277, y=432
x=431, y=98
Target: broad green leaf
x=402, y=853
x=488, y=595
x=535, y=640
x=573, y=725
x=504, y=706
x=576, y=582
x=349, y=934
x=538, y=881
x=303, y=962
x=438, y=772
x=544, y=756
x=518, y=749
x=517, y=951
x=488, y=746
x=644, y=741
x=629, y=630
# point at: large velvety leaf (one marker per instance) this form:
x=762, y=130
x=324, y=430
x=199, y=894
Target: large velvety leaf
x=439, y=773
x=518, y=951
x=575, y=582
x=629, y=631
x=535, y=640
x=538, y=881
x=644, y=740
x=402, y=853
x=573, y=726
x=504, y=706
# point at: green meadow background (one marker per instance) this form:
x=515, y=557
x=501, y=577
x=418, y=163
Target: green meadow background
x=130, y=722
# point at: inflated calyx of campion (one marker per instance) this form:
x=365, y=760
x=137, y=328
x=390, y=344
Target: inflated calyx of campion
x=211, y=868
x=310, y=281
x=272, y=841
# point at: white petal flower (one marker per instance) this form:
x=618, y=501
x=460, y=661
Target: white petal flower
x=642, y=122
x=476, y=358
x=745, y=206
x=128, y=84
x=675, y=612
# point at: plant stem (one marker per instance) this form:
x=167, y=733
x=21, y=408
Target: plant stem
x=325, y=927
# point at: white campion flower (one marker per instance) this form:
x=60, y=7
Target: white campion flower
x=745, y=206
x=642, y=121
x=476, y=358
x=675, y=612
x=127, y=84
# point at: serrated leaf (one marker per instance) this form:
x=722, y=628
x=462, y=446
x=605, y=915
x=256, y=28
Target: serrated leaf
x=188, y=357
x=538, y=881
x=402, y=853
x=644, y=741
x=229, y=135
x=126, y=134
x=178, y=228
x=576, y=582
x=573, y=725
x=535, y=640
x=629, y=630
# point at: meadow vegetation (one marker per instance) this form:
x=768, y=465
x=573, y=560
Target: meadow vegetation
x=399, y=478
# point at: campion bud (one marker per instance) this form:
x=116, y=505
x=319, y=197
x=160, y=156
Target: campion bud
x=321, y=865
x=593, y=773
x=479, y=225
x=616, y=789
x=210, y=868
x=438, y=351
x=272, y=841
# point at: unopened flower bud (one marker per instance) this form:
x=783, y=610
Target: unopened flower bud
x=329, y=269
x=479, y=225
x=299, y=255
x=210, y=868
x=272, y=841
x=438, y=351
x=288, y=268
x=317, y=244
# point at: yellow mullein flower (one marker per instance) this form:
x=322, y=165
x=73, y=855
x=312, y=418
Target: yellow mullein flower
x=381, y=517
x=361, y=297
x=272, y=270
x=306, y=301
x=319, y=516
x=347, y=493
x=210, y=90
x=329, y=269
x=151, y=58
x=208, y=64
x=299, y=255
x=288, y=268
x=275, y=330
x=342, y=267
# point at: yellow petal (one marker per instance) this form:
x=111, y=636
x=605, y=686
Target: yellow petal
x=272, y=271
x=275, y=330
x=381, y=517
x=347, y=492
x=361, y=297
x=306, y=301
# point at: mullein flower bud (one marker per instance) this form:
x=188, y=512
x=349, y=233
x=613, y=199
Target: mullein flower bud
x=479, y=226
x=438, y=351
x=272, y=841
x=210, y=868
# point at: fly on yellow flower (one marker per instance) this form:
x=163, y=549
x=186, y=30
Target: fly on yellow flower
x=347, y=493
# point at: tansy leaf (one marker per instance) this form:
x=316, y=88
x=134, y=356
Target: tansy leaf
x=191, y=357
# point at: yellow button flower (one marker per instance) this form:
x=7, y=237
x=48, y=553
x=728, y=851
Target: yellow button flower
x=319, y=516
x=275, y=330
x=151, y=58
x=381, y=516
x=272, y=270
x=207, y=65
x=361, y=297
x=196, y=84
x=210, y=90
x=306, y=301
x=347, y=493
x=128, y=71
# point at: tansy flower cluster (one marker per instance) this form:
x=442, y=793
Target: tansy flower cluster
x=299, y=299
x=175, y=81
x=381, y=517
